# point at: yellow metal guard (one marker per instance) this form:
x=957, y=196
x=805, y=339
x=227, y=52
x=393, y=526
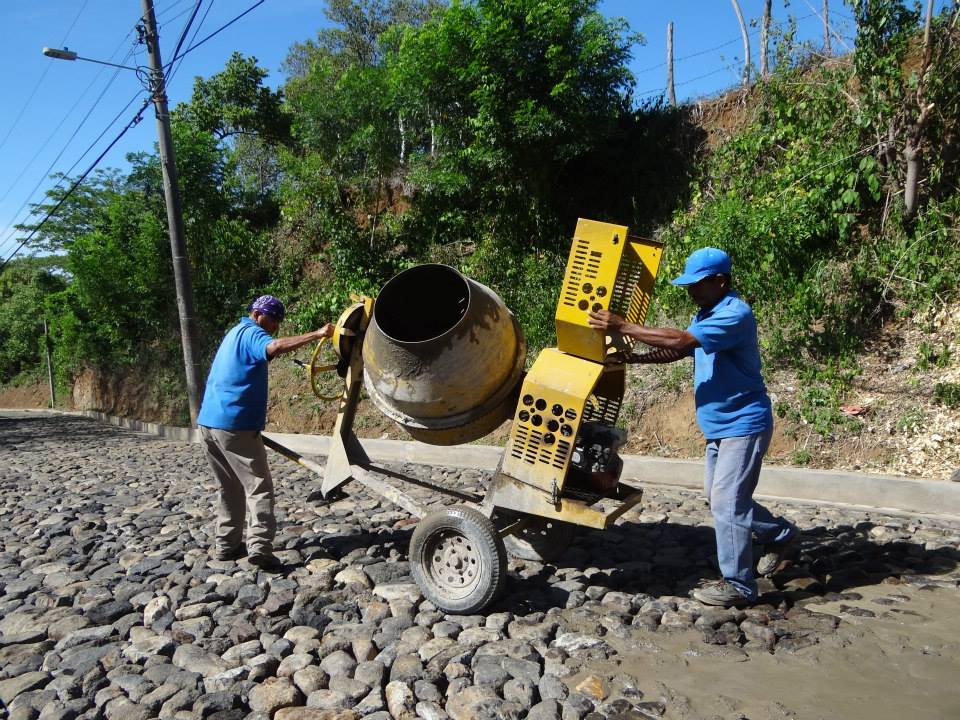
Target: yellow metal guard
x=547, y=418
x=607, y=270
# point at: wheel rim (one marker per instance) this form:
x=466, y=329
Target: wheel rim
x=452, y=563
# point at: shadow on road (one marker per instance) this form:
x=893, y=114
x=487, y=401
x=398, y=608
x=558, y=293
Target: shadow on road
x=666, y=559
x=33, y=433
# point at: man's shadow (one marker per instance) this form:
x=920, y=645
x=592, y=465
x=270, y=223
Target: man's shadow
x=670, y=560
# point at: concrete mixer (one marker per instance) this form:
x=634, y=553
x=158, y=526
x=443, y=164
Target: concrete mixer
x=442, y=356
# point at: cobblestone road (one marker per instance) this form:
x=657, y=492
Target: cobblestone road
x=110, y=606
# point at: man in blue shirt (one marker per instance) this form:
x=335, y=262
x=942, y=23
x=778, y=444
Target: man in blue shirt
x=232, y=416
x=733, y=412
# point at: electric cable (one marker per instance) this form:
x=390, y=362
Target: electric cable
x=69, y=141
x=43, y=76
x=169, y=9
x=175, y=58
x=46, y=174
x=752, y=33
x=196, y=32
x=220, y=29
x=183, y=35
x=53, y=134
x=133, y=122
x=66, y=174
x=663, y=90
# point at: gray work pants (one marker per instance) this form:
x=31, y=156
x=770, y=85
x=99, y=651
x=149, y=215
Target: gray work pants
x=239, y=462
x=732, y=472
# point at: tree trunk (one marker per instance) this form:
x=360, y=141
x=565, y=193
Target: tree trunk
x=746, y=42
x=403, y=137
x=670, y=92
x=765, y=39
x=914, y=140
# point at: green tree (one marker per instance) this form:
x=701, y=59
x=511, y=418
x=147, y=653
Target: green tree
x=25, y=286
x=79, y=213
x=235, y=101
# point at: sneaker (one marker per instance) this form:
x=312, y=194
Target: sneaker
x=775, y=556
x=224, y=554
x=721, y=593
x=268, y=562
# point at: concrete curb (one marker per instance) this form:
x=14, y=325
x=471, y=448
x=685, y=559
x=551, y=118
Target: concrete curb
x=878, y=492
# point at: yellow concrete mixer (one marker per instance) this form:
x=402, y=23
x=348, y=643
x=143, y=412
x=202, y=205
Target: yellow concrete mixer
x=442, y=356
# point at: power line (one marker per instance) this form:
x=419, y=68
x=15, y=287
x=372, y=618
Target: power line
x=46, y=173
x=221, y=29
x=70, y=140
x=699, y=53
x=170, y=8
x=183, y=35
x=722, y=45
x=43, y=76
x=645, y=93
x=176, y=58
x=192, y=38
x=53, y=134
x=69, y=170
x=134, y=121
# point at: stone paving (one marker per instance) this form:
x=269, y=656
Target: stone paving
x=110, y=606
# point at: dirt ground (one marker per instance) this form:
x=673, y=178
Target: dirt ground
x=894, y=423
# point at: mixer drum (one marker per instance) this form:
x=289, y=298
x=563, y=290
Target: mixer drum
x=443, y=356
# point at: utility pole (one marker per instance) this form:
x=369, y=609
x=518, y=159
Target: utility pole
x=171, y=190
x=46, y=347
x=670, y=92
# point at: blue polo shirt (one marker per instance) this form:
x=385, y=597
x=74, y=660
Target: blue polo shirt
x=236, y=394
x=729, y=392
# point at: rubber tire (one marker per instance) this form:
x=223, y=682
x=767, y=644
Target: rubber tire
x=542, y=541
x=487, y=543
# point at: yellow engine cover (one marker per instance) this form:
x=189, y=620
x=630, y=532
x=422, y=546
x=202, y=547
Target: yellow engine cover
x=559, y=392
x=607, y=270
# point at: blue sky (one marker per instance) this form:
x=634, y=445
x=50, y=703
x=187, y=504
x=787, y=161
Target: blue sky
x=53, y=111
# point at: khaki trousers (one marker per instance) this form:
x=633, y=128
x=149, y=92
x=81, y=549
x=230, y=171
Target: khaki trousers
x=239, y=463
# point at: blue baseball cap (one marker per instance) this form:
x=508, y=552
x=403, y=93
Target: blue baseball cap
x=268, y=305
x=703, y=263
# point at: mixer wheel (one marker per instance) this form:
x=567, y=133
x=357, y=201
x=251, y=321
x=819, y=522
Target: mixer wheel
x=458, y=559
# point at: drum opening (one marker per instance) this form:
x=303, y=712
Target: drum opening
x=422, y=303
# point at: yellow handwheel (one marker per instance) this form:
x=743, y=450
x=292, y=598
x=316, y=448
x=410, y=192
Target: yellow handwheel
x=319, y=366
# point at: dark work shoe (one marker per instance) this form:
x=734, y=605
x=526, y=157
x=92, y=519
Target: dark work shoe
x=224, y=554
x=268, y=562
x=721, y=593
x=776, y=556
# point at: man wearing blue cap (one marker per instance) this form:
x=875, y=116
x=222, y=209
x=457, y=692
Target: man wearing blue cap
x=232, y=416
x=733, y=411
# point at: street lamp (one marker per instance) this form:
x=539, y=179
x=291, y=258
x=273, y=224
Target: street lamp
x=178, y=247
x=67, y=54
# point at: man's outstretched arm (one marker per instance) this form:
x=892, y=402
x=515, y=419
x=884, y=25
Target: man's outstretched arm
x=282, y=345
x=680, y=342
x=658, y=356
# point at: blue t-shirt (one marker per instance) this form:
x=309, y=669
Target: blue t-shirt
x=236, y=394
x=728, y=389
